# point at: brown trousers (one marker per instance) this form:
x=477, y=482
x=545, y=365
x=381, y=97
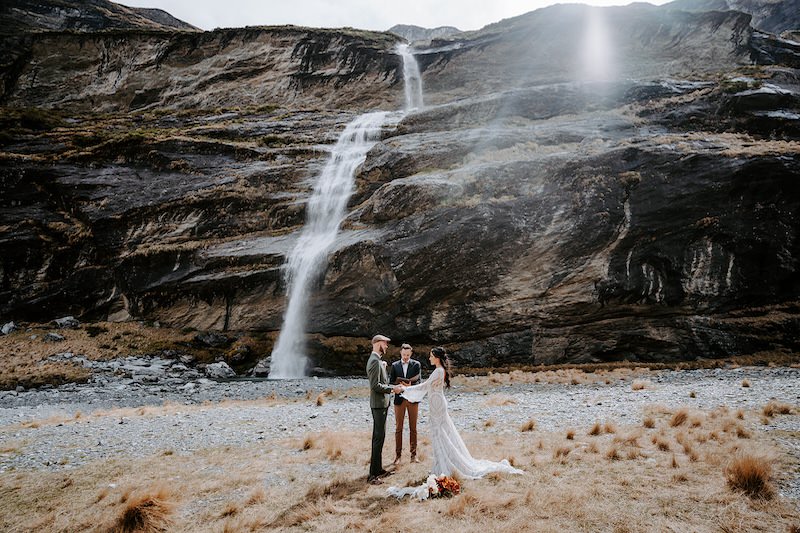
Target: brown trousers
x=399, y=415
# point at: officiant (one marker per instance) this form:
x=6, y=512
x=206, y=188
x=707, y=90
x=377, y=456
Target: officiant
x=406, y=371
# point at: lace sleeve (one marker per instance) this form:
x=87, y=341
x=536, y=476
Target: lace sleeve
x=416, y=393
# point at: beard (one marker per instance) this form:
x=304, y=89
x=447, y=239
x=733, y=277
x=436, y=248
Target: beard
x=382, y=350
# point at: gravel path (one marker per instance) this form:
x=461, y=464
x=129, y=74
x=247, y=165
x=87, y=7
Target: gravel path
x=70, y=444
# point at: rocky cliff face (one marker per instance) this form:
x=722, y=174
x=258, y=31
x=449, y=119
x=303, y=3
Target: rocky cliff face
x=768, y=15
x=534, y=214
x=128, y=70
x=88, y=15
x=412, y=33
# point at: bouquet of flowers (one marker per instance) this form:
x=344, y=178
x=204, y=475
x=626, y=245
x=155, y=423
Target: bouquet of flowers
x=442, y=486
x=433, y=487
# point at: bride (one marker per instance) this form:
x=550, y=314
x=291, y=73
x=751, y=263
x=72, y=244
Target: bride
x=450, y=455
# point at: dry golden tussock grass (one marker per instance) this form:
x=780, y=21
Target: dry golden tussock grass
x=661, y=443
x=775, y=407
x=679, y=417
x=752, y=475
x=147, y=511
x=639, y=384
x=570, y=434
x=530, y=425
x=498, y=400
x=612, y=454
x=649, y=422
x=223, y=489
x=596, y=429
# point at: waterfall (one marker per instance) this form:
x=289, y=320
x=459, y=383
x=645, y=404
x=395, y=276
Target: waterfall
x=412, y=78
x=324, y=214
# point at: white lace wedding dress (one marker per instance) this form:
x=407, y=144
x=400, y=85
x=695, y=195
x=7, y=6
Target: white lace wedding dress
x=450, y=455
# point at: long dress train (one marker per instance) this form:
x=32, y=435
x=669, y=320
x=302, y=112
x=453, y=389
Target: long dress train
x=450, y=454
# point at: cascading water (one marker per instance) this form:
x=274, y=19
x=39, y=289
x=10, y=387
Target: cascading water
x=324, y=215
x=411, y=77
x=325, y=211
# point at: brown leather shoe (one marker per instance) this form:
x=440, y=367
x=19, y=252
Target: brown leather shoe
x=414, y=459
x=396, y=461
x=375, y=481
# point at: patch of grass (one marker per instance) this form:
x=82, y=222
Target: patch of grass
x=751, y=475
x=774, y=407
x=274, y=141
x=530, y=425
x=679, y=418
x=612, y=454
x=499, y=400
x=148, y=511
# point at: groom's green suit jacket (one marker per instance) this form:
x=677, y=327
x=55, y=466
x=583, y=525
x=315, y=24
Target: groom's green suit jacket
x=379, y=387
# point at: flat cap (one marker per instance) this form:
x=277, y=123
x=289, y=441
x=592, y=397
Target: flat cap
x=378, y=338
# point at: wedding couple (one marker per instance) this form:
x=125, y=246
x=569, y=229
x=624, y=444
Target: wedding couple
x=450, y=455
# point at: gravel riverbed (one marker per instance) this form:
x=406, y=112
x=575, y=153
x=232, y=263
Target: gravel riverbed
x=200, y=418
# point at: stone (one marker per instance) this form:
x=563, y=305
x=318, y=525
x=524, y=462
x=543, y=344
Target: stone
x=67, y=322
x=261, y=370
x=54, y=337
x=8, y=327
x=219, y=370
x=212, y=339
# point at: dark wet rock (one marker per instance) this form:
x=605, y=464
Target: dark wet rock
x=54, y=337
x=212, y=339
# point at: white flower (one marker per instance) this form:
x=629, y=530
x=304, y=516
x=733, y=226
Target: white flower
x=433, y=487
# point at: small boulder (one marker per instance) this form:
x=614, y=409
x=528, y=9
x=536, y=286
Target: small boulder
x=8, y=327
x=68, y=322
x=54, y=337
x=212, y=339
x=261, y=370
x=240, y=353
x=219, y=370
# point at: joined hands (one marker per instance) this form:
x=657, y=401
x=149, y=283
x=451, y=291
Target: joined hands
x=397, y=389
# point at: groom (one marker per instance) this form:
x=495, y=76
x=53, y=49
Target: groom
x=406, y=371
x=379, y=390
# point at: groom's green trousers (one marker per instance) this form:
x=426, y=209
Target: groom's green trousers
x=378, y=436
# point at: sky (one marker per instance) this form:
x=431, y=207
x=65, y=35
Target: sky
x=362, y=14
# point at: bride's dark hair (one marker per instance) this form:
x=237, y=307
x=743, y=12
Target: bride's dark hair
x=441, y=355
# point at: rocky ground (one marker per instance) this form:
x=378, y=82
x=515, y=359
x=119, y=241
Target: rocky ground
x=66, y=427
